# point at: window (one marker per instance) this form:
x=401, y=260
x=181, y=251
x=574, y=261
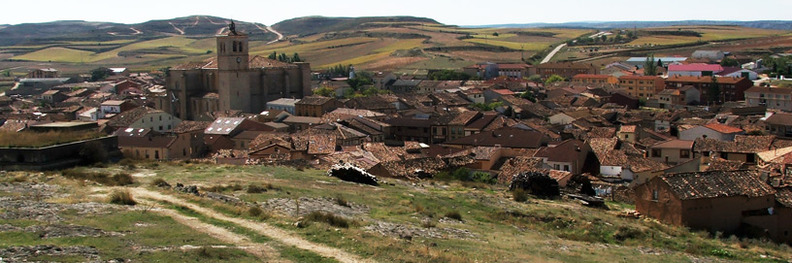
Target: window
x=656, y=152
x=566, y=168
x=655, y=195
x=684, y=153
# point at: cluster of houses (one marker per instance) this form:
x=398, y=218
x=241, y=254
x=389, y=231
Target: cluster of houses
x=721, y=165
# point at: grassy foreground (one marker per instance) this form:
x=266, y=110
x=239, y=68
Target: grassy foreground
x=450, y=221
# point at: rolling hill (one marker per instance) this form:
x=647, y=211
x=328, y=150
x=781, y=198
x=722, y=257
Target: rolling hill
x=401, y=44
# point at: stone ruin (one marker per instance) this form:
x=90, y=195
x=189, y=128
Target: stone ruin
x=351, y=173
x=536, y=183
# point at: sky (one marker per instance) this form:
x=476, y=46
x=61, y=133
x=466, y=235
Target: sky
x=459, y=12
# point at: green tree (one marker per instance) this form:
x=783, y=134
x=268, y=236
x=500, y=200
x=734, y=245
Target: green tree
x=325, y=92
x=99, y=74
x=273, y=56
x=714, y=92
x=535, y=78
x=554, y=78
x=528, y=95
x=730, y=62
x=361, y=79
x=296, y=58
x=447, y=74
x=650, y=67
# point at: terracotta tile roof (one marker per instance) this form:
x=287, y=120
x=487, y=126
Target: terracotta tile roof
x=674, y=144
x=720, y=164
x=638, y=77
x=784, y=196
x=590, y=76
x=505, y=137
x=602, y=132
x=516, y=165
x=713, y=184
x=780, y=119
x=313, y=100
x=126, y=118
x=190, y=126
x=464, y=118
x=766, y=90
x=566, y=151
x=603, y=145
x=628, y=128
x=723, y=128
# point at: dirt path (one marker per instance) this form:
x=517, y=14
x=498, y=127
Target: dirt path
x=261, y=228
x=263, y=251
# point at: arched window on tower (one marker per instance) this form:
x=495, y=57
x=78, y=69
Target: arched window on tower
x=234, y=43
x=240, y=46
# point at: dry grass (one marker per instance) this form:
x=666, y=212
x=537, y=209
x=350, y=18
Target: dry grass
x=122, y=197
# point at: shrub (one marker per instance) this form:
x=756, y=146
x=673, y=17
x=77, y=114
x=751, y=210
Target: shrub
x=255, y=211
x=102, y=178
x=340, y=200
x=122, y=197
x=159, y=182
x=454, y=215
x=329, y=218
x=428, y=223
x=520, y=195
x=255, y=189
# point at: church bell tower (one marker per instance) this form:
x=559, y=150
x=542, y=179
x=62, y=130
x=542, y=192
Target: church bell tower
x=233, y=71
x=232, y=50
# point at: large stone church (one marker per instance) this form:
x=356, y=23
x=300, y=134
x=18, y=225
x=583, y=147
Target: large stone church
x=232, y=81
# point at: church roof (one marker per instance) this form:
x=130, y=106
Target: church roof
x=253, y=62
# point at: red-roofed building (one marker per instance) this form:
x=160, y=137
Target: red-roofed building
x=730, y=88
x=565, y=69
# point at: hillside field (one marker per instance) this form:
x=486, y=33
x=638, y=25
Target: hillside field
x=322, y=219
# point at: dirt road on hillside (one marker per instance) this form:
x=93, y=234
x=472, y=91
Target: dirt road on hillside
x=273, y=232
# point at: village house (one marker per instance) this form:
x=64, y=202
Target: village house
x=714, y=201
x=570, y=156
x=43, y=73
x=779, y=124
x=772, y=98
x=315, y=106
x=144, y=118
x=146, y=144
x=116, y=106
x=54, y=96
x=672, y=152
x=232, y=133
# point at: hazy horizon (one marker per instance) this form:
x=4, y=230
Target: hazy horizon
x=444, y=11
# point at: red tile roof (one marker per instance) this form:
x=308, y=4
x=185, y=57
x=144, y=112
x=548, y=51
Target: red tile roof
x=590, y=76
x=723, y=128
x=703, y=79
